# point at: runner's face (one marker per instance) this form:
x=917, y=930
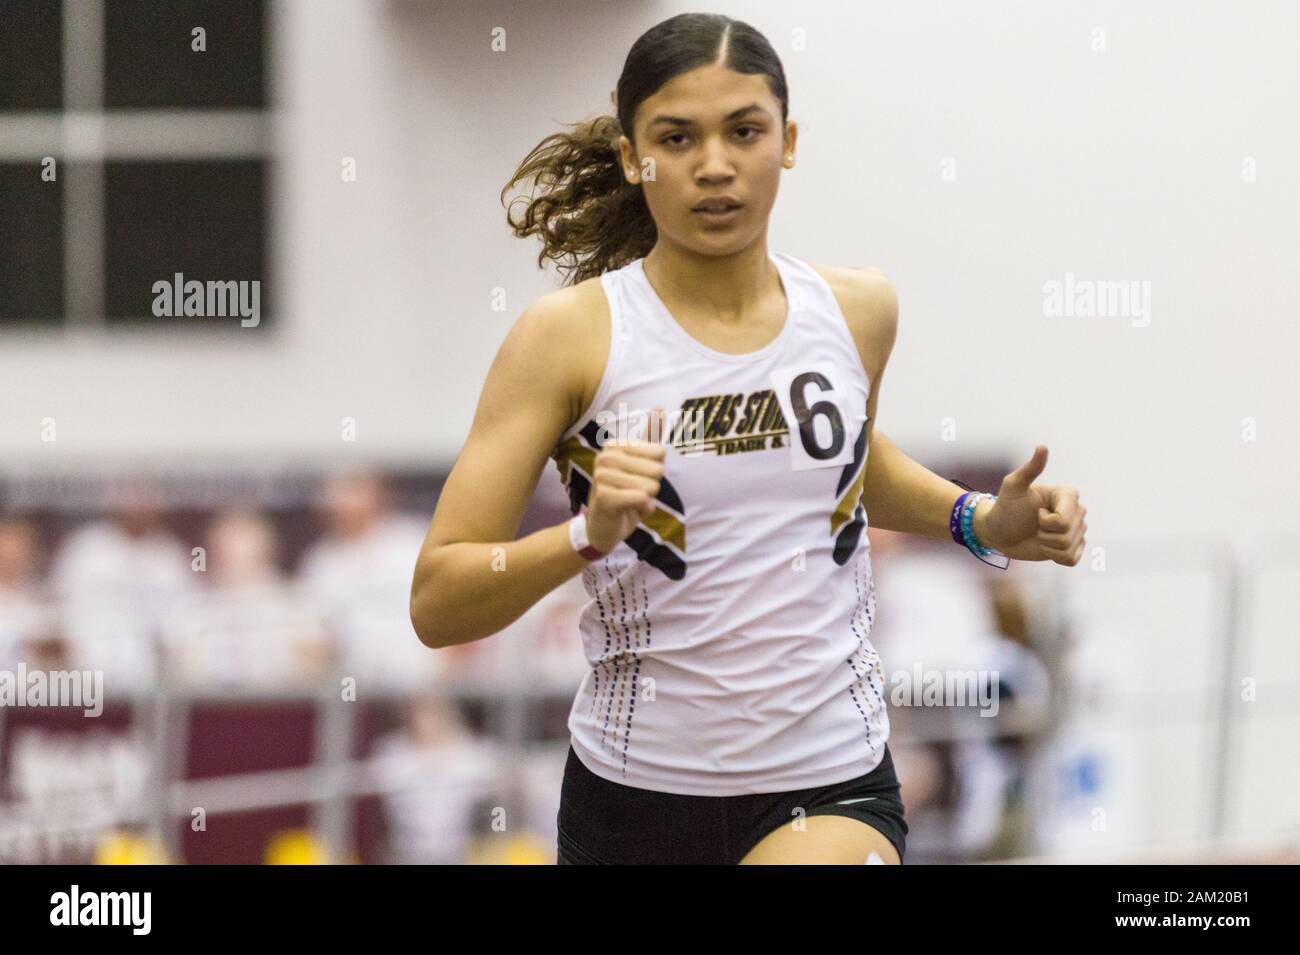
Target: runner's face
x=731, y=144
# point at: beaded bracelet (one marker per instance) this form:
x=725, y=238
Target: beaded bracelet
x=961, y=524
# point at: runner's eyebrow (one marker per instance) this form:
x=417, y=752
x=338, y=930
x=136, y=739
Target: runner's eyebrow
x=682, y=121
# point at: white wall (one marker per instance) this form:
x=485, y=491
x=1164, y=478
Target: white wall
x=1117, y=165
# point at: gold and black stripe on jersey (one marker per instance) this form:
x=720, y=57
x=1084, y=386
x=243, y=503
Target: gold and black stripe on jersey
x=849, y=519
x=660, y=539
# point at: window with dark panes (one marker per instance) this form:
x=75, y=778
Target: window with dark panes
x=31, y=246
x=134, y=162
x=31, y=55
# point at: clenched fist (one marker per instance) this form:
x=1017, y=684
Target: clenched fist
x=624, y=485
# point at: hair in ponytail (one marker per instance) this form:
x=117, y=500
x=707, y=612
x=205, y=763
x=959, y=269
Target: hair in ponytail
x=589, y=217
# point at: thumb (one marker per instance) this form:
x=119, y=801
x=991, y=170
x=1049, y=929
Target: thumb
x=1024, y=475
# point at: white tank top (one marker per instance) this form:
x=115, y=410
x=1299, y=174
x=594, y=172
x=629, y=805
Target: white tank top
x=728, y=635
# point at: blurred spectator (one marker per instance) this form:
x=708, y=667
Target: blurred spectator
x=248, y=627
x=128, y=558
x=17, y=557
x=243, y=551
x=940, y=613
x=116, y=579
x=21, y=612
x=1094, y=766
x=442, y=783
x=360, y=573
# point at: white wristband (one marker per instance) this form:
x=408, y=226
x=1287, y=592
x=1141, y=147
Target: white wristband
x=578, y=538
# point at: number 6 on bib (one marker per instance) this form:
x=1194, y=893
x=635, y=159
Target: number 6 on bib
x=821, y=427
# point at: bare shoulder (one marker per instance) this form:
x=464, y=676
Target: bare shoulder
x=568, y=329
x=870, y=306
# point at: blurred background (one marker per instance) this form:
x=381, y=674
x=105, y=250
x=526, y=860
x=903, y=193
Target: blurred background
x=221, y=515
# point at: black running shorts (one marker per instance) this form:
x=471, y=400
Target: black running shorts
x=607, y=823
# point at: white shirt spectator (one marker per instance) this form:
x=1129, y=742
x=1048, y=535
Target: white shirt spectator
x=433, y=793
x=115, y=589
x=22, y=618
x=364, y=586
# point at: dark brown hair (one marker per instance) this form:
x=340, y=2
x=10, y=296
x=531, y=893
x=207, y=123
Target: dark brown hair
x=591, y=219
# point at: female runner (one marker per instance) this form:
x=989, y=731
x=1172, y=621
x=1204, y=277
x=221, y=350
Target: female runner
x=709, y=406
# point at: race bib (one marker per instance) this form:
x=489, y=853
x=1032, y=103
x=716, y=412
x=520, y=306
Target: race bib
x=823, y=421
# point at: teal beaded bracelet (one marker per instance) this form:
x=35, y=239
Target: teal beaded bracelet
x=963, y=528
